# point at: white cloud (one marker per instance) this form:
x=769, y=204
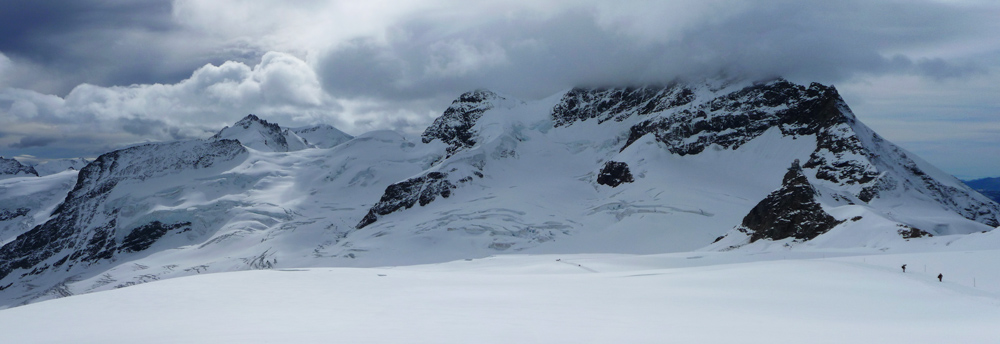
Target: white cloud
x=281, y=88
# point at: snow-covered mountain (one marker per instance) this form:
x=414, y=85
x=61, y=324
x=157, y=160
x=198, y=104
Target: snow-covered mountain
x=10, y=168
x=27, y=202
x=59, y=165
x=322, y=135
x=258, y=134
x=678, y=167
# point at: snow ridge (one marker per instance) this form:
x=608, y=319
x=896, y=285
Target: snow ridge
x=89, y=224
x=255, y=133
x=652, y=169
x=12, y=168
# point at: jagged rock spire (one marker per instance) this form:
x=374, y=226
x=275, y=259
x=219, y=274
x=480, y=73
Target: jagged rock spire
x=791, y=211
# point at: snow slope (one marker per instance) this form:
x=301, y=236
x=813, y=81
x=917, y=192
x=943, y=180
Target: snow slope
x=29, y=201
x=59, y=165
x=676, y=298
x=322, y=136
x=11, y=168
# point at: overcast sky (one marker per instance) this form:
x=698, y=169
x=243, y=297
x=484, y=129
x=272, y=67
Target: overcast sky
x=82, y=77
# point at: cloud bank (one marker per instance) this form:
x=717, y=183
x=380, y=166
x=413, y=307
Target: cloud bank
x=281, y=87
x=81, y=77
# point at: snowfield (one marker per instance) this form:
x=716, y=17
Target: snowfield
x=697, y=297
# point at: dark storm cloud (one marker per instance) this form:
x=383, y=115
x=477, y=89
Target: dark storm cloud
x=104, y=42
x=33, y=141
x=816, y=41
x=29, y=26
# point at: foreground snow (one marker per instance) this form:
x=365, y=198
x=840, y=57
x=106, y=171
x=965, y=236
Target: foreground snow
x=701, y=297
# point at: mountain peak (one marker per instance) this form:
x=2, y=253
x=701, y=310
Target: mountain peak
x=454, y=127
x=256, y=133
x=789, y=212
x=13, y=168
x=322, y=135
x=251, y=119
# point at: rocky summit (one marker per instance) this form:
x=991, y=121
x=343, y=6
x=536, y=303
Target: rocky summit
x=663, y=168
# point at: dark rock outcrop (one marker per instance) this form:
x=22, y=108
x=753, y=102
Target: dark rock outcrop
x=581, y=104
x=734, y=119
x=142, y=237
x=405, y=194
x=789, y=212
x=731, y=120
x=908, y=232
x=6, y=214
x=454, y=127
x=614, y=173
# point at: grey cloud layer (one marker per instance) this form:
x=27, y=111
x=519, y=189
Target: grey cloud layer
x=822, y=41
x=89, y=75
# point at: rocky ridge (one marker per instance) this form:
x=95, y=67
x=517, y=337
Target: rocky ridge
x=792, y=211
x=13, y=168
x=87, y=226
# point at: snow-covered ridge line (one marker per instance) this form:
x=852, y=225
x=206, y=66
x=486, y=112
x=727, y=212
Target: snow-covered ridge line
x=12, y=168
x=625, y=170
x=83, y=228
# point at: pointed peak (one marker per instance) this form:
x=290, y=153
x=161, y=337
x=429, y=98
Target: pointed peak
x=247, y=121
x=322, y=135
x=13, y=167
x=795, y=165
x=796, y=177
x=476, y=96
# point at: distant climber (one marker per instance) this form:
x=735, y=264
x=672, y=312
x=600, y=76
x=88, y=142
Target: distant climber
x=940, y=276
x=904, y=268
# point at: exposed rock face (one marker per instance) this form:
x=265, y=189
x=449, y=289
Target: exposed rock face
x=10, y=214
x=144, y=236
x=14, y=168
x=730, y=120
x=789, y=212
x=908, y=232
x=614, y=173
x=454, y=127
x=580, y=104
x=84, y=228
x=405, y=194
